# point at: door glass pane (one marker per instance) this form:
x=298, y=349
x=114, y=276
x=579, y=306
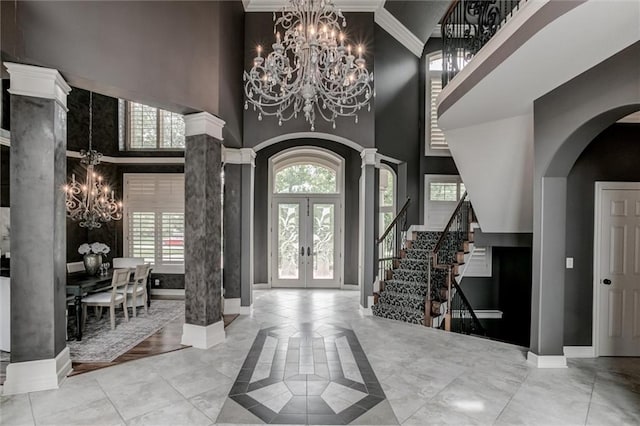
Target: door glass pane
x=288, y=240
x=323, y=241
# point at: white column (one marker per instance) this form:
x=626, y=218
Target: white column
x=370, y=161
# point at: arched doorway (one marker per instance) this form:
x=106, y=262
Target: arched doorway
x=306, y=216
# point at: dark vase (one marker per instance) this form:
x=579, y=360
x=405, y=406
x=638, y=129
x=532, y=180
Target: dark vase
x=92, y=263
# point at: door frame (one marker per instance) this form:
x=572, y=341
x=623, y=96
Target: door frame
x=597, y=240
x=323, y=156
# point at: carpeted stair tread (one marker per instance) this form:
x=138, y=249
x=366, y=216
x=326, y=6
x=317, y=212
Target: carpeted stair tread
x=400, y=314
x=402, y=300
x=397, y=286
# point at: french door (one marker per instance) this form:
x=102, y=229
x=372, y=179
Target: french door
x=618, y=270
x=305, y=239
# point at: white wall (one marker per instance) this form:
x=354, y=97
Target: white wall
x=495, y=160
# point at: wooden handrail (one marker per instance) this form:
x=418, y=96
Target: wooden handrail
x=446, y=228
x=395, y=220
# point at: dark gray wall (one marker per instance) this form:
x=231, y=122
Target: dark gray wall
x=351, y=198
x=397, y=123
x=231, y=92
x=259, y=31
x=432, y=165
x=181, y=56
x=566, y=121
x=613, y=156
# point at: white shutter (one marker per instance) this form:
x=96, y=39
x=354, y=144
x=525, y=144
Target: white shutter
x=436, y=136
x=154, y=207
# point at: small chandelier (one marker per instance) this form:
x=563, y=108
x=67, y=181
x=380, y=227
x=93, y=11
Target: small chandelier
x=92, y=202
x=310, y=68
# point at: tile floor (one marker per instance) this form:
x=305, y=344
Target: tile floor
x=426, y=377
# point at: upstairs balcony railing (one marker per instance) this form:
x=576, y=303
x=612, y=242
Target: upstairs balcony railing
x=467, y=26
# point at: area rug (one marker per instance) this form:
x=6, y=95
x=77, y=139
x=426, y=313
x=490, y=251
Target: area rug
x=101, y=344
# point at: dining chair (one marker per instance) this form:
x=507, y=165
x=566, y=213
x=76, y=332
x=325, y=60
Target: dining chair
x=111, y=298
x=137, y=288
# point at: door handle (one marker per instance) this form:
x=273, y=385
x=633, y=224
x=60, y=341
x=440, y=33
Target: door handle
x=606, y=281
x=308, y=251
x=301, y=251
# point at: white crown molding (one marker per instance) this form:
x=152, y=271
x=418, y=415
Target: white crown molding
x=239, y=156
x=437, y=32
x=203, y=123
x=343, y=5
x=390, y=24
x=547, y=361
x=33, y=376
x=203, y=337
x=47, y=83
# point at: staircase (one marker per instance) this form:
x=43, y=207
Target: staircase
x=420, y=285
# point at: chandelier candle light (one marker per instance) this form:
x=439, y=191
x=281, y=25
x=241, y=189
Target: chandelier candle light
x=310, y=68
x=92, y=202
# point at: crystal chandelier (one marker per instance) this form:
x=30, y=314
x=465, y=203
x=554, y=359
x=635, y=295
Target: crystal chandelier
x=310, y=68
x=92, y=202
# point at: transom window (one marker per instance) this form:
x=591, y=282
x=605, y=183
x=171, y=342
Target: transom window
x=149, y=128
x=306, y=178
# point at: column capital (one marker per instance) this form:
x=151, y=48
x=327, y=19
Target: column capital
x=203, y=123
x=370, y=157
x=39, y=82
x=239, y=156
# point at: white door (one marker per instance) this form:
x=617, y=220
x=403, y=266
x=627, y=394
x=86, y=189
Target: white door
x=306, y=236
x=618, y=284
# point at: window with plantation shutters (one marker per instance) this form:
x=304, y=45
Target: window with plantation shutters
x=435, y=143
x=436, y=136
x=150, y=128
x=154, y=226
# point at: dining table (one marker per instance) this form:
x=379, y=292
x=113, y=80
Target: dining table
x=78, y=285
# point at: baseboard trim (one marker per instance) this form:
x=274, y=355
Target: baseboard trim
x=177, y=293
x=547, y=361
x=579, y=351
x=231, y=306
x=261, y=286
x=246, y=310
x=482, y=313
x=33, y=376
x=203, y=337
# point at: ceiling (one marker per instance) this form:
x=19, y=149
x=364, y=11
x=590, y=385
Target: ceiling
x=411, y=22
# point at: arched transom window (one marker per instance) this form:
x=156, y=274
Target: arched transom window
x=307, y=177
x=306, y=170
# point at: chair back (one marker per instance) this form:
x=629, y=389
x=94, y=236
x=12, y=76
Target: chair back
x=120, y=280
x=75, y=267
x=127, y=262
x=142, y=273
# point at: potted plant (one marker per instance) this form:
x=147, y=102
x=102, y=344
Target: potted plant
x=92, y=256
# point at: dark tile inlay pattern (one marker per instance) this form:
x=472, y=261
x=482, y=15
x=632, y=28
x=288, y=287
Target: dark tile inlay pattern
x=300, y=376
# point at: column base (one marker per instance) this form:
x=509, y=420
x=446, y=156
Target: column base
x=33, y=376
x=367, y=311
x=203, y=337
x=246, y=310
x=547, y=361
x=231, y=306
